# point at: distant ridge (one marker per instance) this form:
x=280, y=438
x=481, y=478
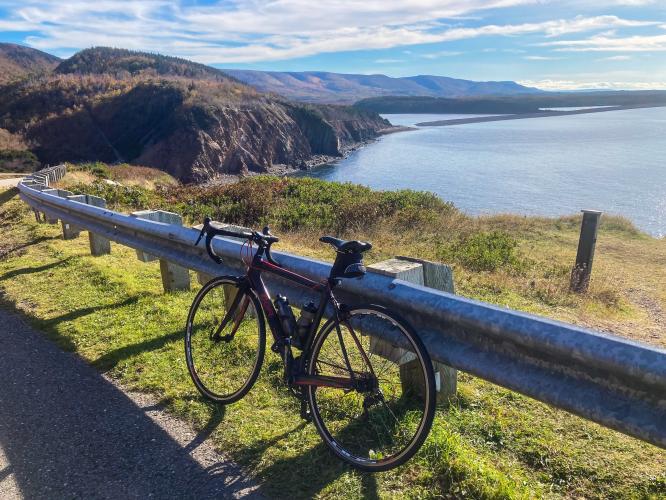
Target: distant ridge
x=17, y=61
x=124, y=62
x=340, y=88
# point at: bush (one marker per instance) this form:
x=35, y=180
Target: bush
x=486, y=251
x=98, y=169
x=305, y=203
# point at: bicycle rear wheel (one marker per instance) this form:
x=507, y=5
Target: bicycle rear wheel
x=224, y=359
x=384, y=420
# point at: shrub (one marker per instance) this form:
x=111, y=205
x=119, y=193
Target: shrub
x=97, y=168
x=486, y=251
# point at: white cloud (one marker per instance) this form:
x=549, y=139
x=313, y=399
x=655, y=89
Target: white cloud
x=596, y=85
x=442, y=53
x=388, y=61
x=261, y=30
x=602, y=43
x=541, y=58
x=615, y=58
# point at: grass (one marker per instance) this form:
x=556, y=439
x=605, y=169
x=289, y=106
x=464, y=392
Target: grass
x=489, y=443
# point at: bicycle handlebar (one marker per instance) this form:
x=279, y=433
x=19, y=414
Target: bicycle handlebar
x=264, y=239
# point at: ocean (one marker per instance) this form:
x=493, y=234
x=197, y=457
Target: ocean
x=613, y=161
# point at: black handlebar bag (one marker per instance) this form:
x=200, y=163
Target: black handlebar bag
x=348, y=265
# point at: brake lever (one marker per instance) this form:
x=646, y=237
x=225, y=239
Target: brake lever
x=201, y=235
x=206, y=223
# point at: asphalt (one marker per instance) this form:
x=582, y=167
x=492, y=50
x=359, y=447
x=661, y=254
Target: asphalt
x=68, y=432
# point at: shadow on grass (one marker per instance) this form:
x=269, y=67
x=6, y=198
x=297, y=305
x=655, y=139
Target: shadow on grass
x=112, y=358
x=79, y=313
x=33, y=270
x=36, y=241
x=305, y=475
x=8, y=195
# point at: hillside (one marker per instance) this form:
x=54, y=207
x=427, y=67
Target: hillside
x=17, y=61
x=511, y=104
x=326, y=87
x=122, y=63
x=184, y=118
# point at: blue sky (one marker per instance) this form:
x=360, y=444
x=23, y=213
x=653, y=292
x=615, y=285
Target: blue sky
x=558, y=44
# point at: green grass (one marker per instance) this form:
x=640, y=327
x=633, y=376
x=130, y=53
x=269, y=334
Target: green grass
x=489, y=443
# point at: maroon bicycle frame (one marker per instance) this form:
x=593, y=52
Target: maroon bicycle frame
x=255, y=281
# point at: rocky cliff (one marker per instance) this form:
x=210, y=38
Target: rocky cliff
x=192, y=129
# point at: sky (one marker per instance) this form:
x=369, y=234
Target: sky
x=558, y=44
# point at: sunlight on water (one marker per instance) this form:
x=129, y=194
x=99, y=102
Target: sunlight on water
x=614, y=162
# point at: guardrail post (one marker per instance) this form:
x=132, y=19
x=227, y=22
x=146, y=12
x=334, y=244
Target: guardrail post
x=229, y=291
x=174, y=277
x=69, y=231
x=440, y=277
x=433, y=275
x=98, y=244
x=56, y=192
x=582, y=270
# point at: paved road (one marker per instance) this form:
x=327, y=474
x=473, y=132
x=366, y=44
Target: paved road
x=68, y=432
x=7, y=183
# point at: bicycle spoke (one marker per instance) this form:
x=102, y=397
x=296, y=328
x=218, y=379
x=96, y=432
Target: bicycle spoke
x=380, y=418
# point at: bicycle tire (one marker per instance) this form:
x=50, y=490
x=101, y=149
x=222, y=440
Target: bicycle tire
x=366, y=463
x=204, y=388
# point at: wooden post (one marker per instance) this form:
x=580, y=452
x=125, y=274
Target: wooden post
x=174, y=277
x=582, y=270
x=440, y=277
x=424, y=273
x=98, y=244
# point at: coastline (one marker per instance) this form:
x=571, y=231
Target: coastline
x=315, y=161
x=523, y=116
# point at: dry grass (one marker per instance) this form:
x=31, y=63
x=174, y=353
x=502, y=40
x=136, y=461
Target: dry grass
x=13, y=142
x=127, y=175
x=146, y=177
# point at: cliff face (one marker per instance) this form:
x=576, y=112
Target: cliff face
x=193, y=130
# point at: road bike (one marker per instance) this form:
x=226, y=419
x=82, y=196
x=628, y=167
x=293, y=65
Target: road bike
x=363, y=376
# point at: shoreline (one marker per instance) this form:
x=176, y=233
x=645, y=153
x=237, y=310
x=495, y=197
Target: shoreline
x=524, y=116
x=313, y=163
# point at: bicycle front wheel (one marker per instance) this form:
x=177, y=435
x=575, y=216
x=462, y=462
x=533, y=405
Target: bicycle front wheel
x=225, y=340
x=384, y=419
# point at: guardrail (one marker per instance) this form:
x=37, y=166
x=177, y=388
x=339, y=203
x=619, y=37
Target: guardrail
x=610, y=380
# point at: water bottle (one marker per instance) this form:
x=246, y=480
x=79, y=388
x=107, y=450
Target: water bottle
x=304, y=323
x=286, y=315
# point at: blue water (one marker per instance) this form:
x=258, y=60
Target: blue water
x=614, y=162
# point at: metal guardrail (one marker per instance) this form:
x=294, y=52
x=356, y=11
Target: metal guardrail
x=610, y=380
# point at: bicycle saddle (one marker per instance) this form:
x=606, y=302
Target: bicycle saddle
x=343, y=246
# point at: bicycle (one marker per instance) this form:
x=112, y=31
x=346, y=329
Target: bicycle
x=364, y=378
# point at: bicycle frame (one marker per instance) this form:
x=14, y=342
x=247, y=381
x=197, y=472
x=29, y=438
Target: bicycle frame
x=325, y=290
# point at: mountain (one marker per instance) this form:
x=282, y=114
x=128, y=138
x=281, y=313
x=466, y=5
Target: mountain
x=531, y=103
x=325, y=87
x=189, y=120
x=17, y=61
x=124, y=63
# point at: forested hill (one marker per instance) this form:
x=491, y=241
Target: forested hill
x=18, y=61
x=122, y=63
x=327, y=87
x=511, y=104
x=184, y=118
